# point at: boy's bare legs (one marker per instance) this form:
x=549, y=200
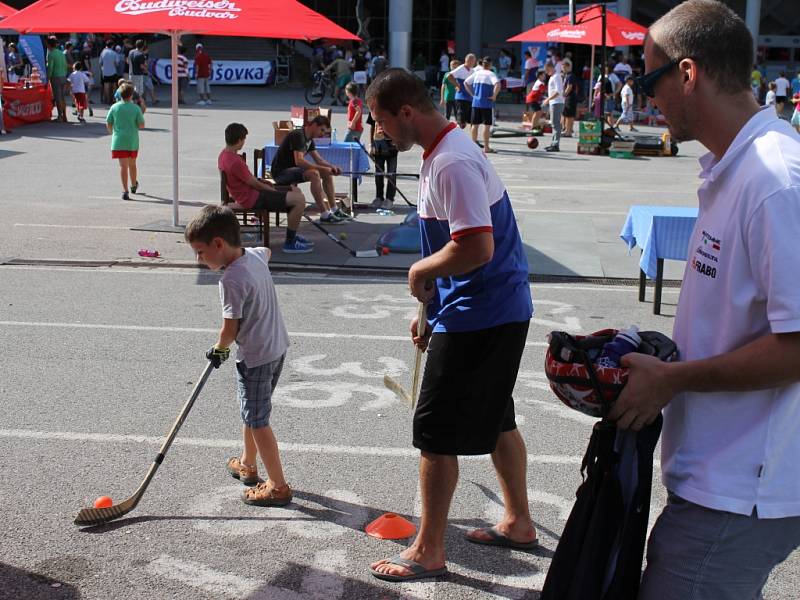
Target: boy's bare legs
x=123, y=172
x=313, y=177
x=438, y=475
x=486, y=134
x=510, y=460
x=296, y=202
x=250, y=452
x=473, y=131
x=267, y=445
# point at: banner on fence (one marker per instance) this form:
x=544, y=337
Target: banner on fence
x=227, y=72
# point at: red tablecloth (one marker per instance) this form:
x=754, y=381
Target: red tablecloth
x=26, y=105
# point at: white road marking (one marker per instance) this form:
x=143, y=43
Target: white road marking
x=570, y=212
x=394, y=367
x=319, y=449
x=332, y=393
x=323, y=581
x=217, y=583
x=59, y=226
x=301, y=334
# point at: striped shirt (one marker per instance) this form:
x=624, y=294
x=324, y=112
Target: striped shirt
x=183, y=66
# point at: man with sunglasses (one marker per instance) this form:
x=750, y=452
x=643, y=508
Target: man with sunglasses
x=731, y=405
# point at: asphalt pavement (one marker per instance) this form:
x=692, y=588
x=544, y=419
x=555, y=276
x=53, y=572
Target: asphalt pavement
x=98, y=362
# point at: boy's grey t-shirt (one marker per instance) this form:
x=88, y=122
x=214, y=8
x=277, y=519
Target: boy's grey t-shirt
x=247, y=293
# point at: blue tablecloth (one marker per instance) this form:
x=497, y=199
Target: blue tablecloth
x=348, y=156
x=660, y=231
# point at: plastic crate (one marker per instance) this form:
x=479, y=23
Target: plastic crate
x=588, y=149
x=591, y=127
x=620, y=153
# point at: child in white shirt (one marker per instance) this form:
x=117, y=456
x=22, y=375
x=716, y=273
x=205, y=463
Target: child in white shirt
x=79, y=81
x=626, y=96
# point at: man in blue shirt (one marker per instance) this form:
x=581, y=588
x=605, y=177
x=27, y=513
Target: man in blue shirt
x=474, y=279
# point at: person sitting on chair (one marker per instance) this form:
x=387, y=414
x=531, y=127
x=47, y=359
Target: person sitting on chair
x=251, y=193
x=290, y=167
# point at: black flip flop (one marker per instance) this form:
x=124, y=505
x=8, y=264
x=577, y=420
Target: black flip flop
x=498, y=539
x=417, y=570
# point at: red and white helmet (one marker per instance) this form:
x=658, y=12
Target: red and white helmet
x=570, y=366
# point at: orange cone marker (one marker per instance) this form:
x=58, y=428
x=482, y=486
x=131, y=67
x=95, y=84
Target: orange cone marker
x=391, y=527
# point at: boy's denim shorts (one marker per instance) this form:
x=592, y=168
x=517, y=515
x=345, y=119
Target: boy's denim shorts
x=255, y=387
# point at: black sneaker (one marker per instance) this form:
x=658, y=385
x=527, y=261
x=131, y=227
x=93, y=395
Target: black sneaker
x=125, y=196
x=91, y=112
x=134, y=187
x=551, y=149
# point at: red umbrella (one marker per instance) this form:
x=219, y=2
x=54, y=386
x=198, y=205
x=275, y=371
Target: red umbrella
x=6, y=10
x=248, y=18
x=587, y=30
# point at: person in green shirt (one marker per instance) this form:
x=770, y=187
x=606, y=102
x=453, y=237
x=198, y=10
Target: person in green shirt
x=123, y=122
x=447, y=97
x=57, y=72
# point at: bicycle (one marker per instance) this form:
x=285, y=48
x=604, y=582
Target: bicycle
x=321, y=85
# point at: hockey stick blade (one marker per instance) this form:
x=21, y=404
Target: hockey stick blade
x=367, y=254
x=394, y=386
x=98, y=516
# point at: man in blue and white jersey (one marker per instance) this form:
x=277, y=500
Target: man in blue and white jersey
x=483, y=85
x=463, y=98
x=474, y=279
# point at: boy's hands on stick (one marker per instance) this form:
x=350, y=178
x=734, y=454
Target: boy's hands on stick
x=218, y=355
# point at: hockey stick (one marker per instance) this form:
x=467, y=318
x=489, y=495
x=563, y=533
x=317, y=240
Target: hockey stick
x=393, y=384
x=357, y=253
x=98, y=516
x=380, y=171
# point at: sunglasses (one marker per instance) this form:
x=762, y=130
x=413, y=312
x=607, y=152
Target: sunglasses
x=647, y=82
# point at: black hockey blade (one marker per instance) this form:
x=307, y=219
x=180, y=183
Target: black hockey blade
x=98, y=516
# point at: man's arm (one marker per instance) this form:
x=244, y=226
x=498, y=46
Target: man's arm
x=321, y=162
x=769, y=361
x=458, y=256
x=468, y=87
x=497, y=87
x=452, y=80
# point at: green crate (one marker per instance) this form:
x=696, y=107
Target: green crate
x=620, y=154
x=590, y=127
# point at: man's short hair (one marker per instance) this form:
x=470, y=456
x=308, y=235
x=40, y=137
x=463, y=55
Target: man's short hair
x=713, y=35
x=139, y=44
x=235, y=132
x=397, y=87
x=52, y=41
x=126, y=91
x=321, y=120
x=352, y=88
x=214, y=221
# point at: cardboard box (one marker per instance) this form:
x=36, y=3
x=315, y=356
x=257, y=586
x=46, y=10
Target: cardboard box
x=301, y=115
x=282, y=128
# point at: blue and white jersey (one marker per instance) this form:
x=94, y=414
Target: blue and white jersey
x=482, y=82
x=460, y=194
x=460, y=74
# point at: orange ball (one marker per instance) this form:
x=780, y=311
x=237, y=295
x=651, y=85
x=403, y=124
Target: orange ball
x=103, y=502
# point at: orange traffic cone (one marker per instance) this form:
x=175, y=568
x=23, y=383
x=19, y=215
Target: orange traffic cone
x=391, y=527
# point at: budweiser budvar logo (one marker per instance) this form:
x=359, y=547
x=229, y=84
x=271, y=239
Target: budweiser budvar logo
x=632, y=35
x=574, y=34
x=210, y=9
x=19, y=110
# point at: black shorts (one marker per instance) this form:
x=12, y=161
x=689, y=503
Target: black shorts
x=110, y=79
x=535, y=106
x=780, y=99
x=292, y=175
x=271, y=200
x=465, y=402
x=570, y=109
x=464, y=111
x=481, y=116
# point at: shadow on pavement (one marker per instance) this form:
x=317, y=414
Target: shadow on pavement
x=19, y=583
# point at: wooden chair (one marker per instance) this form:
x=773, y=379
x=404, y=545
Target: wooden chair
x=244, y=213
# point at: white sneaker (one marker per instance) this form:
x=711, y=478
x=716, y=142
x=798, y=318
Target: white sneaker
x=201, y=103
x=208, y=101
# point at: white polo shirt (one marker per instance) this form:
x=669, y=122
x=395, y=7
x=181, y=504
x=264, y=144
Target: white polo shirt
x=734, y=451
x=555, y=85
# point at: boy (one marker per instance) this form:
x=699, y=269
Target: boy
x=771, y=96
x=447, y=94
x=355, y=108
x=251, y=317
x=123, y=122
x=534, y=98
x=483, y=85
x=627, y=115
x=78, y=82
x=250, y=192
